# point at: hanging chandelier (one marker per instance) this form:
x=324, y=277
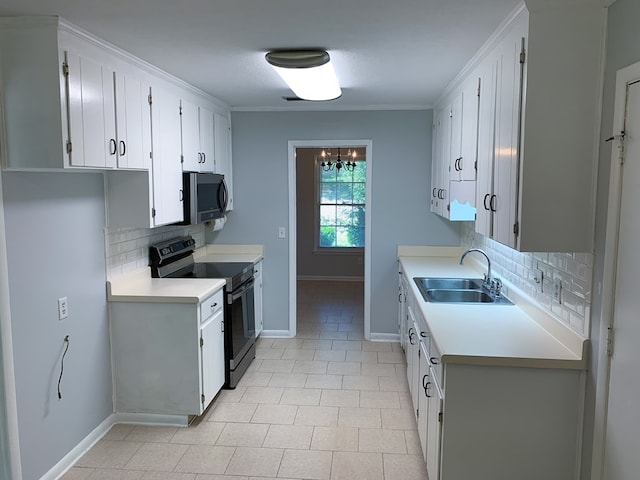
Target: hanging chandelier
x=349, y=164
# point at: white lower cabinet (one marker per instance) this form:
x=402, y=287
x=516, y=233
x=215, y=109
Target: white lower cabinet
x=168, y=358
x=423, y=400
x=491, y=422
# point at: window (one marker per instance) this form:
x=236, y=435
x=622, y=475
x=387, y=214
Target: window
x=341, y=206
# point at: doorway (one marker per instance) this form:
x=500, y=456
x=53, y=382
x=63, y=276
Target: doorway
x=317, y=240
x=616, y=444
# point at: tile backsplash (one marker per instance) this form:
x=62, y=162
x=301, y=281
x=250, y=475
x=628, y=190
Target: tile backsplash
x=519, y=269
x=127, y=249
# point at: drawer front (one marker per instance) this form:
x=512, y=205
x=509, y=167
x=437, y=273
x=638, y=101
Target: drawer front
x=435, y=362
x=211, y=305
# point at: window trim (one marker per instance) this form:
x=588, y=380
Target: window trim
x=317, y=249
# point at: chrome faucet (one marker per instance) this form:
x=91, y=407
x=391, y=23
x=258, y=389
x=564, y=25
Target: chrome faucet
x=487, y=276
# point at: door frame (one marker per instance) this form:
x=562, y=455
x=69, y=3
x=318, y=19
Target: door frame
x=624, y=77
x=9, y=438
x=292, y=146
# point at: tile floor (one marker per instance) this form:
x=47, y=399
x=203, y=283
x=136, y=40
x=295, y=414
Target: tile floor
x=325, y=405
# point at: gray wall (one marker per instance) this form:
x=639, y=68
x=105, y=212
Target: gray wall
x=310, y=263
x=623, y=49
x=55, y=247
x=401, y=171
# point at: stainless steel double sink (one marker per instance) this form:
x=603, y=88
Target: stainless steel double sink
x=457, y=290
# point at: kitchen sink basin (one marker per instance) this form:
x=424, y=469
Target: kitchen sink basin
x=430, y=283
x=457, y=290
x=459, y=296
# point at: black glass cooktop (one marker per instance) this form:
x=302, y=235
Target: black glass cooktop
x=235, y=273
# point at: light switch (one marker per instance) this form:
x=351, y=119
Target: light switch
x=282, y=232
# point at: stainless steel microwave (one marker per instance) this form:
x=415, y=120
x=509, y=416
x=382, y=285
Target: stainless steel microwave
x=204, y=197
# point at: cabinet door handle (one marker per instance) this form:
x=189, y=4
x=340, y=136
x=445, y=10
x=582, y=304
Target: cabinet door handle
x=411, y=334
x=433, y=192
x=222, y=326
x=199, y=157
x=112, y=146
x=123, y=148
x=426, y=390
x=492, y=203
x=181, y=195
x=433, y=360
x=204, y=157
x=484, y=202
x=424, y=380
x=423, y=335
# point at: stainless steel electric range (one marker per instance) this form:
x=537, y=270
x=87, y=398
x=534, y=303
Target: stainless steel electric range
x=174, y=259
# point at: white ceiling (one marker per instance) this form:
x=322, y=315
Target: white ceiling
x=387, y=54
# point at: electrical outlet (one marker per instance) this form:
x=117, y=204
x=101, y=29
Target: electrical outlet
x=282, y=232
x=63, y=308
x=538, y=277
x=557, y=290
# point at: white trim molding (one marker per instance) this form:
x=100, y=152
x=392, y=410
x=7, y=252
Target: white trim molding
x=385, y=337
x=276, y=334
x=624, y=77
x=292, y=146
x=79, y=450
x=9, y=433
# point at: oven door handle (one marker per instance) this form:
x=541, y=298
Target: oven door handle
x=233, y=296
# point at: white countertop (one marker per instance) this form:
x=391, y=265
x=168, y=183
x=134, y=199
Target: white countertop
x=138, y=286
x=229, y=253
x=505, y=335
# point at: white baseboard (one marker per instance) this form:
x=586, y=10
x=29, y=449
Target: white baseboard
x=79, y=450
x=329, y=278
x=385, y=337
x=275, y=334
x=101, y=430
x=152, y=419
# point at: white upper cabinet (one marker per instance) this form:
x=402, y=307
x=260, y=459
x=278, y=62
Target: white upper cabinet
x=34, y=95
x=147, y=199
x=133, y=121
x=436, y=165
x=167, y=169
x=484, y=182
x=86, y=107
x=197, y=138
x=77, y=102
x=453, y=157
x=537, y=115
x=465, y=168
x=91, y=135
x=503, y=200
x=223, y=165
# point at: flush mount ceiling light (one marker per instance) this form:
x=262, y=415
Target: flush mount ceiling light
x=309, y=73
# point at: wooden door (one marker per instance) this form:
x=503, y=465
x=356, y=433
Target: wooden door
x=622, y=461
